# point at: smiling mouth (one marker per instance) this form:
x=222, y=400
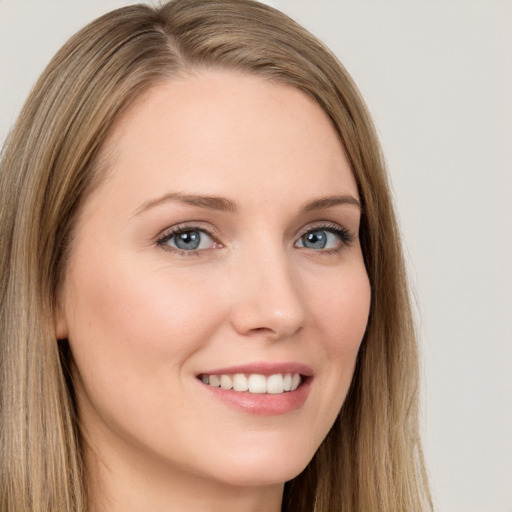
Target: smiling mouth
x=256, y=383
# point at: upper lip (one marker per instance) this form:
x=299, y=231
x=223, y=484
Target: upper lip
x=262, y=368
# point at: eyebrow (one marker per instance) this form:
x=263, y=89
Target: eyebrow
x=328, y=202
x=227, y=205
x=208, y=202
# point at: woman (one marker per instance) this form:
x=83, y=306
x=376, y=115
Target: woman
x=203, y=299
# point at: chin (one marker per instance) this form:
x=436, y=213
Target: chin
x=262, y=466
x=272, y=473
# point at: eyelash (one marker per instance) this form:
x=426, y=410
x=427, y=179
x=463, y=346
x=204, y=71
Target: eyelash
x=185, y=228
x=345, y=236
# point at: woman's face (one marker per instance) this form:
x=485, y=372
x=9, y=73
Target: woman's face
x=222, y=246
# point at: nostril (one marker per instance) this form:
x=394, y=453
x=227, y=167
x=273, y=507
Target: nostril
x=261, y=330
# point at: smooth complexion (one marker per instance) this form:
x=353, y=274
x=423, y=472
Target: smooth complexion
x=265, y=275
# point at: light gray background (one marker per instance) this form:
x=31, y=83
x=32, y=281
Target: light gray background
x=437, y=76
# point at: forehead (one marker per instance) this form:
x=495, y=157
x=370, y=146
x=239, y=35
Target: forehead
x=214, y=130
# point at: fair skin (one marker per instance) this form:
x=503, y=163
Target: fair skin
x=268, y=280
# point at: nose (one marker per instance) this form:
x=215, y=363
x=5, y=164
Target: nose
x=268, y=300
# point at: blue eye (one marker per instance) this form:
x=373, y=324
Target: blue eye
x=188, y=239
x=321, y=239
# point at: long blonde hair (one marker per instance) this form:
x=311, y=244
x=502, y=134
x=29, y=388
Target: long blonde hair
x=371, y=460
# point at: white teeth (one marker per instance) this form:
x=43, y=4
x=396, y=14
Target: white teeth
x=240, y=382
x=255, y=383
x=214, y=380
x=287, y=382
x=275, y=384
x=295, y=381
x=226, y=382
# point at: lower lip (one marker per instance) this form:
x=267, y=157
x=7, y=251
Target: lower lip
x=263, y=404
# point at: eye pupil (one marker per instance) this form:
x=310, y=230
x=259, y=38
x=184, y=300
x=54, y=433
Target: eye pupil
x=188, y=240
x=315, y=239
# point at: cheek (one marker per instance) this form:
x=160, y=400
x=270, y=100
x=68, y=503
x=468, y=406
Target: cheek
x=134, y=332
x=133, y=323
x=127, y=303
x=342, y=316
x=343, y=308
